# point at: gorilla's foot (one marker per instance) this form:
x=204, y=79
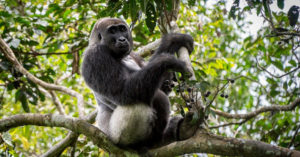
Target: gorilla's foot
x=188, y=126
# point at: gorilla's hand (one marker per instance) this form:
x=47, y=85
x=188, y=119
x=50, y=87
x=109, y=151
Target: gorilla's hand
x=173, y=64
x=171, y=43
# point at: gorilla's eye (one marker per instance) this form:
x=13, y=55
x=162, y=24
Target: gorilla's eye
x=112, y=30
x=122, y=28
x=99, y=36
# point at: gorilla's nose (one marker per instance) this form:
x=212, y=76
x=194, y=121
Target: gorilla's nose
x=122, y=39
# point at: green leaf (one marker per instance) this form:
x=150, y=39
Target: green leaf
x=7, y=138
x=285, y=85
x=169, y=4
x=21, y=96
x=293, y=63
x=69, y=3
x=151, y=17
x=280, y=4
x=258, y=10
x=234, y=7
x=125, y=10
x=133, y=10
x=274, y=93
x=265, y=3
x=143, y=5
x=66, y=14
x=191, y=2
x=278, y=64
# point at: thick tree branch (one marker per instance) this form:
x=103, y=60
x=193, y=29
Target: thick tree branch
x=77, y=125
x=204, y=142
x=68, y=140
x=249, y=115
x=17, y=65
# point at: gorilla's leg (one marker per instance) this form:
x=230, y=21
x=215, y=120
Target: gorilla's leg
x=103, y=118
x=161, y=105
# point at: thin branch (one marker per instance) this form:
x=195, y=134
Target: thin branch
x=166, y=14
x=280, y=76
x=45, y=54
x=253, y=80
x=270, y=15
x=1, y=139
x=276, y=33
x=293, y=51
x=215, y=95
x=17, y=65
x=228, y=124
x=57, y=103
x=63, y=77
x=252, y=114
x=294, y=136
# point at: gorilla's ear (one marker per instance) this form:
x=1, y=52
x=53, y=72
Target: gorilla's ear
x=99, y=36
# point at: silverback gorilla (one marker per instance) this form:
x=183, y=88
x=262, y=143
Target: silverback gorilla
x=132, y=109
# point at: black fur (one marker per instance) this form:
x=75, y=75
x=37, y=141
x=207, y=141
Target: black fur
x=116, y=84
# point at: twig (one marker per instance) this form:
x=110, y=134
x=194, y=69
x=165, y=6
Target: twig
x=166, y=14
x=228, y=124
x=57, y=103
x=270, y=14
x=252, y=114
x=215, y=95
x=293, y=51
x=45, y=54
x=294, y=136
x=280, y=76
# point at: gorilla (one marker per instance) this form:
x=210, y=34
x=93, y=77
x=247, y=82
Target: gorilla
x=133, y=111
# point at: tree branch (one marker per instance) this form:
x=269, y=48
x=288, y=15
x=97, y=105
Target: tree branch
x=271, y=74
x=17, y=65
x=68, y=140
x=57, y=103
x=204, y=142
x=77, y=125
x=290, y=107
x=146, y=50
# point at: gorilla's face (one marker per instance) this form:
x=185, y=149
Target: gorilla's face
x=118, y=39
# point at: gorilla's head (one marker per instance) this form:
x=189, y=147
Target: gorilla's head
x=113, y=33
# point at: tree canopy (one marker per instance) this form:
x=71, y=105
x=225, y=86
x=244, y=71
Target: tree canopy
x=246, y=91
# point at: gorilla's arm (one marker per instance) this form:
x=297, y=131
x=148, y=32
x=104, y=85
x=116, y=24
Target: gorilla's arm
x=109, y=77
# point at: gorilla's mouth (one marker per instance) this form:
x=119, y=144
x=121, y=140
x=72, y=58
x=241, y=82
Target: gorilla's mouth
x=122, y=45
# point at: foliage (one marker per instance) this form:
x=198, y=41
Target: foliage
x=257, y=70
